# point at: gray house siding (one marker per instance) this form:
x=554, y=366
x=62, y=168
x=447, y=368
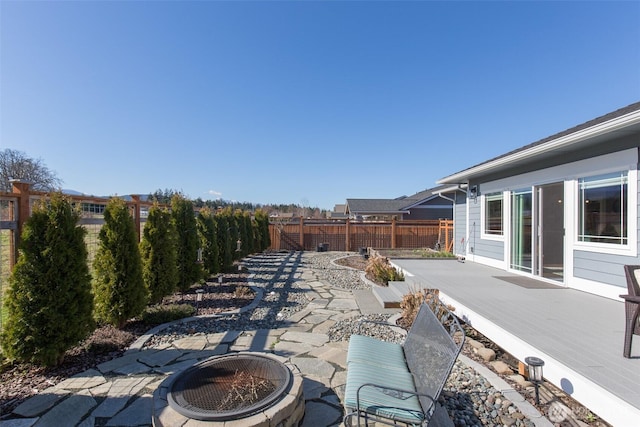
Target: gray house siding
x=477, y=245
x=558, y=225
x=490, y=249
x=429, y=213
x=474, y=227
x=598, y=267
x=604, y=268
x=460, y=224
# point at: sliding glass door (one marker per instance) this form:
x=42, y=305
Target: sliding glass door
x=550, y=201
x=521, y=230
x=537, y=231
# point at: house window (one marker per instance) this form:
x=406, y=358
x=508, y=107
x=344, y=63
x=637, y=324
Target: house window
x=493, y=214
x=603, y=209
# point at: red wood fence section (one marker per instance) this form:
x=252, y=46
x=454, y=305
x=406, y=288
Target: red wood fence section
x=348, y=235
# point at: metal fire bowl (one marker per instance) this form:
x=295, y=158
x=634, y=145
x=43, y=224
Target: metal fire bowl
x=198, y=391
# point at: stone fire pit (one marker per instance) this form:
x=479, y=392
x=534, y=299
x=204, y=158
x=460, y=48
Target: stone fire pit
x=243, y=389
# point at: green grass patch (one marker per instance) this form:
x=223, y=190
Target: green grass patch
x=158, y=314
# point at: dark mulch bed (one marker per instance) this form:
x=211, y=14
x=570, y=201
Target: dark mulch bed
x=358, y=262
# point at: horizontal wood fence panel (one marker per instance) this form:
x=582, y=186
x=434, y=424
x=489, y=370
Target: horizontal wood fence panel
x=376, y=235
x=414, y=236
x=347, y=235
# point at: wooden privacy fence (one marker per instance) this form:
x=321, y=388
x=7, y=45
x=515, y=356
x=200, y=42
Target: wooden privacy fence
x=348, y=235
x=297, y=234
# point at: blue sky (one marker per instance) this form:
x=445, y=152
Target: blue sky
x=301, y=102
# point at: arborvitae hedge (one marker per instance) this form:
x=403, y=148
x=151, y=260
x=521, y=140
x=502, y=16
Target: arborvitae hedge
x=207, y=229
x=225, y=224
x=262, y=220
x=49, y=301
x=243, y=234
x=158, y=252
x=189, y=271
x=251, y=247
x=119, y=289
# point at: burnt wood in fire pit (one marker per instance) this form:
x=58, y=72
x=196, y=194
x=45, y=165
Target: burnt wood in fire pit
x=229, y=387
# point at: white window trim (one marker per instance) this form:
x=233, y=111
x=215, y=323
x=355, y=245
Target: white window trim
x=483, y=234
x=629, y=249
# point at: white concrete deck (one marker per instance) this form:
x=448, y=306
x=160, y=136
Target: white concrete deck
x=578, y=335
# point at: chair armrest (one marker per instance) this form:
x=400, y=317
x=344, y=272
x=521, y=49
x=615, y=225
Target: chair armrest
x=631, y=298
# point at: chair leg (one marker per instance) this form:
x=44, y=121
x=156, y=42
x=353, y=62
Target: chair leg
x=632, y=312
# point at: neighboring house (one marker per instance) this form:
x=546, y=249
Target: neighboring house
x=563, y=209
x=339, y=212
x=427, y=204
x=281, y=216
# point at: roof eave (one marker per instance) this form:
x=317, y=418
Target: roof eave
x=378, y=212
x=578, y=137
x=453, y=188
x=418, y=202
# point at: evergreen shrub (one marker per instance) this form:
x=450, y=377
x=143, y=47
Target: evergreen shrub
x=208, y=233
x=118, y=285
x=49, y=300
x=159, y=256
x=189, y=271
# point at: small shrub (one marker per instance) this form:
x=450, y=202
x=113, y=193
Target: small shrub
x=411, y=303
x=158, y=314
x=380, y=270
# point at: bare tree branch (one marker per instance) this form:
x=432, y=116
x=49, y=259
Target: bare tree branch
x=15, y=164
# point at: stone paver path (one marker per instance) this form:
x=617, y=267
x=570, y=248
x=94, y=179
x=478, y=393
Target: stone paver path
x=119, y=392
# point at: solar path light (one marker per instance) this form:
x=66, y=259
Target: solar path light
x=199, y=293
x=534, y=367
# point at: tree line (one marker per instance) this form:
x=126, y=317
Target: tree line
x=15, y=164
x=54, y=301
x=164, y=196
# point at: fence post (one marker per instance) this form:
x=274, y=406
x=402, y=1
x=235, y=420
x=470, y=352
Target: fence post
x=13, y=239
x=22, y=191
x=446, y=235
x=393, y=233
x=302, y=233
x=347, y=241
x=136, y=214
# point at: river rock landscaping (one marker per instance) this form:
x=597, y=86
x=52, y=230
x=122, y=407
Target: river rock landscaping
x=468, y=397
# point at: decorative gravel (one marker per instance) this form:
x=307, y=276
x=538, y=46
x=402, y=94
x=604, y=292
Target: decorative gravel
x=373, y=325
x=281, y=298
x=468, y=397
x=336, y=275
